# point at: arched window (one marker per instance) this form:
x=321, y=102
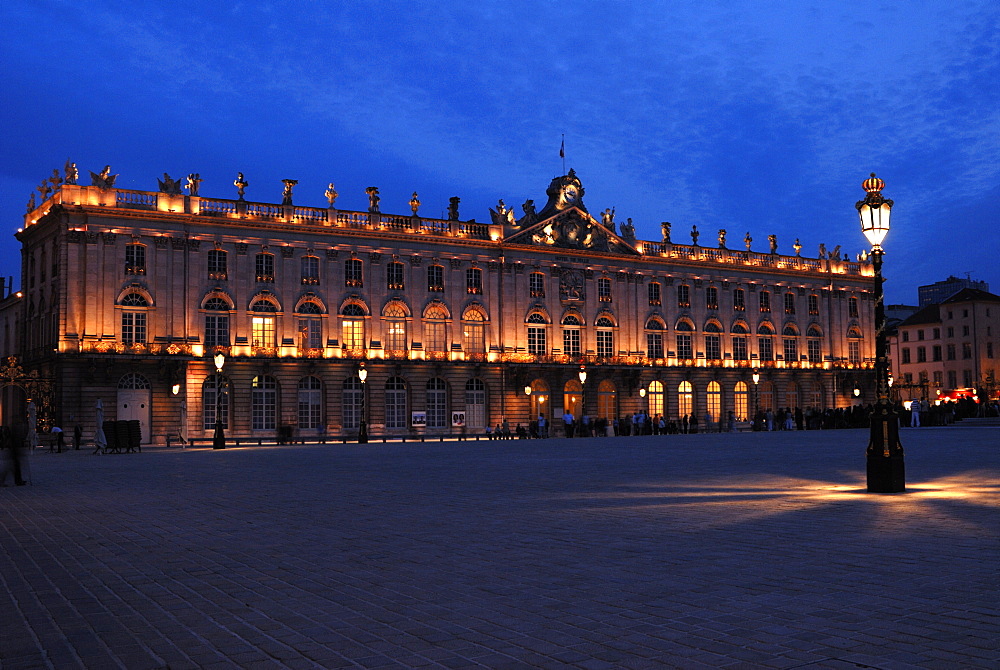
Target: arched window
x=435, y=328
x=395, y=314
x=540, y=402
x=537, y=341
x=352, y=402
x=396, y=415
x=741, y=403
x=310, y=326
x=854, y=345
x=765, y=342
x=133, y=381
x=655, y=399
x=685, y=398
x=216, y=396
x=713, y=394
x=605, y=337
x=134, y=306
x=264, y=403
x=474, y=331
x=571, y=335
x=654, y=338
x=310, y=403
x=741, y=352
x=353, y=328
x=475, y=403
x=685, y=351
x=713, y=341
x=437, y=403
x=790, y=341
x=263, y=326
x=573, y=398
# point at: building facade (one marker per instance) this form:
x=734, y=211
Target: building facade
x=127, y=296
x=939, y=291
x=948, y=345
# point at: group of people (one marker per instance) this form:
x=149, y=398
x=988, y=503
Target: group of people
x=15, y=447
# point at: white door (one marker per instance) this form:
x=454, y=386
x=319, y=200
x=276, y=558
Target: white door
x=133, y=404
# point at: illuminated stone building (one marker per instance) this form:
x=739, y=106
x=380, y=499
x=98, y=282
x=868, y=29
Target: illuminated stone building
x=127, y=295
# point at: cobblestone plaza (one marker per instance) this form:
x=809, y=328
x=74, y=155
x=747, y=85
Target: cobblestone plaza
x=683, y=551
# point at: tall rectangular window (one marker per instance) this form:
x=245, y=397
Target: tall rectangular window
x=435, y=278
x=712, y=297
x=683, y=295
x=474, y=281
x=713, y=347
x=765, y=348
x=536, y=340
x=765, y=301
x=135, y=260
x=133, y=327
x=814, y=352
x=603, y=289
x=264, y=268
x=966, y=350
x=952, y=379
x=814, y=304
x=789, y=303
x=684, y=346
x=217, y=265
x=216, y=330
x=394, y=276
x=536, y=285
x=263, y=332
x=434, y=336
x=605, y=343
x=906, y=354
x=310, y=332
x=654, y=293
x=951, y=352
x=654, y=344
x=853, y=351
x=739, y=300
x=310, y=270
x=354, y=273
x=921, y=354
x=571, y=341
x=740, y=352
x=852, y=308
x=791, y=349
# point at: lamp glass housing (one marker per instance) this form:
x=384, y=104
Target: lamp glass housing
x=220, y=360
x=875, y=221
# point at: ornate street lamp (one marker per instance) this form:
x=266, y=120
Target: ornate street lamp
x=583, y=375
x=885, y=467
x=756, y=398
x=219, y=437
x=363, y=424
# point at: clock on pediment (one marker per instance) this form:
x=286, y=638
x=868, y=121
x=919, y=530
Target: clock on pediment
x=564, y=192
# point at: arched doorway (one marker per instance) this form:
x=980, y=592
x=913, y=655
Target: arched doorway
x=134, y=402
x=540, y=402
x=573, y=398
x=685, y=398
x=607, y=400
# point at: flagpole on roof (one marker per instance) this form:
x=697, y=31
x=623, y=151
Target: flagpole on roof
x=562, y=152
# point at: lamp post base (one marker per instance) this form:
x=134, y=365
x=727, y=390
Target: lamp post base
x=363, y=433
x=218, y=438
x=886, y=475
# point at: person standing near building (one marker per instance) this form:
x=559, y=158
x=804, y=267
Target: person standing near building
x=568, y=423
x=914, y=414
x=77, y=436
x=543, y=427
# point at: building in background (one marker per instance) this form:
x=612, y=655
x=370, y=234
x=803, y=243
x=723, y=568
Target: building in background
x=459, y=324
x=940, y=290
x=948, y=345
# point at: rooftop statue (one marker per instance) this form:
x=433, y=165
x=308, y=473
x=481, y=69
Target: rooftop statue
x=71, y=173
x=169, y=185
x=31, y=204
x=104, y=179
x=414, y=204
x=503, y=215
x=665, y=230
x=797, y=246
x=694, y=235
x=773, y=241
x=193, y=183
x=822, y=250
x=373, y=198
x=835, y=254
x=331, y=194
x=628, y=231
x=747, y=240
x=240, y=184
x=453, y=208
x=529, y=214
x=608, y=218
x=722, y=238
x=286, y=193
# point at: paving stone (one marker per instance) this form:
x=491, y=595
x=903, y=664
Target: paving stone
x=748, y=550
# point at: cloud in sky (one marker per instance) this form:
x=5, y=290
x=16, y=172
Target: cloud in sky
x=750, y=117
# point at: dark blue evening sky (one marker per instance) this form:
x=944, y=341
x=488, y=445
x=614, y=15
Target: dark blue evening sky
x=749, y=116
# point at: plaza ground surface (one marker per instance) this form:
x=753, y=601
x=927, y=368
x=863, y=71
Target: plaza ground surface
x=689, y=551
